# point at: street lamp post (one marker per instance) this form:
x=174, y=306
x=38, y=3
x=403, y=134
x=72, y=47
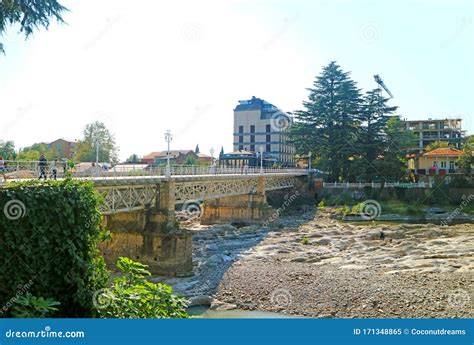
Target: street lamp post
x=260, y=149
x=168, y=138
x=309, y=161
x=212, y=160
x=97, y=152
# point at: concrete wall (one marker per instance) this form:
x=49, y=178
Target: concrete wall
x=245, y=209
x=167, y=253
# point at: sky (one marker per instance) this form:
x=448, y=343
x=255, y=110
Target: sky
x=144, y=67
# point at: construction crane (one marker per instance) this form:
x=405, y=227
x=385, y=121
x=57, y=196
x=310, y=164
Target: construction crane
x=379, y=81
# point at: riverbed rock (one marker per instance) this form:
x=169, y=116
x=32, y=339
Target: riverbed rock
x=201, y=300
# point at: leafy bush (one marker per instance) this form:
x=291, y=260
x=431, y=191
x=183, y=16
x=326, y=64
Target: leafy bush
x=401, y=193
x=460, y=182
x=132, y=296
x=48, y=234
x=322, y=205
x=30, y=306
x=304, y=241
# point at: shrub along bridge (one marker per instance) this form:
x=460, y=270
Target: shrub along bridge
x=139, y=207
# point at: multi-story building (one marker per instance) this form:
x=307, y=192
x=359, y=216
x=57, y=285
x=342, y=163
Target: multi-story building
x=429, y=131
x=64, y=148
x=259, y=125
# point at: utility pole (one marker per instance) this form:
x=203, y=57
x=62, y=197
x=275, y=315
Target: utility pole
x=168, y=138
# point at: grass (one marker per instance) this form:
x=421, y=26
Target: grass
x=304, y=241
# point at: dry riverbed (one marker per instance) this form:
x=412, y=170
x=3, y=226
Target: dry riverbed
x=312, y=265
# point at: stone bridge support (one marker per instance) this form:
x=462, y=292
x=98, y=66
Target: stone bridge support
x=246, y=209
x=151, y=236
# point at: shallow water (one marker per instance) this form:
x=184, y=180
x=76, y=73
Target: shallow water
x=206, y=313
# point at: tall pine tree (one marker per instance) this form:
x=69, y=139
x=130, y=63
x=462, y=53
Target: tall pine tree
x=329, y=124
x=372, y=136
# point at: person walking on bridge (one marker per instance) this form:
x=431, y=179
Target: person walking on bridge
x=54, y=170
x=43, y=164
x=3, y=168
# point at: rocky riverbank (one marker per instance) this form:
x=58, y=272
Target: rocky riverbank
x=313, y=265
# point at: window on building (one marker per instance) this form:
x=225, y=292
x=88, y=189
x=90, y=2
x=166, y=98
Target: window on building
x=268, y=128
x=452, y=165
x=241, y=138
x=252, y=148
x=241, y=147
x=241, y=129
x=268, y=147
x=443, y=164
x=268, y=138
x=252, y=138
x=252, y=129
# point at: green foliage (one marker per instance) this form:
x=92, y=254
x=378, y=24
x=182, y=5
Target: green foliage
x=94, y=133
x=466, y=161
x=343, y=210
x=353, y=137
x=345, y=198
x=322, y=205
x=304, y=241
x=133, y=159
x=30, y=306
x=7, y=150
x=190, y=160
x=33, y=152
x=436, y=145
x=30, y=14
x=460, y=182
x=51, y=237
x=132, y=296
x=329, y=123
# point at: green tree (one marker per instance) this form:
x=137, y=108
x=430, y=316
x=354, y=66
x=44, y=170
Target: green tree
x=33, y=152
x=329, y=123
x=466, y=161
x=436, y=145
x=30, y=14
x=196, y=150
x=372, y=136
x=97, y=134
x=190, y=160
x=133, y=159
x=7, y=150
x=392, y=165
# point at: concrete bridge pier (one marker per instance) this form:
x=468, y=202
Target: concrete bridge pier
x=246, y=209
x=151, y=236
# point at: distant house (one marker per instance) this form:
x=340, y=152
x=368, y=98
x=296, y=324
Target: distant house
x=64, y=148
x=440, y=161
x=204, y=159
x=177, y=157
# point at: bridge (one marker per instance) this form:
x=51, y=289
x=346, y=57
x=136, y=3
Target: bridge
x=140, y=205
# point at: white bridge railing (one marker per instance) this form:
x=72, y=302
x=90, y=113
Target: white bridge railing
x=32, y=169
x=376, y=185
